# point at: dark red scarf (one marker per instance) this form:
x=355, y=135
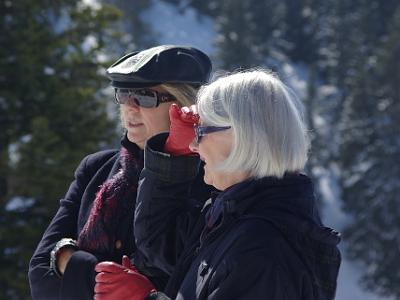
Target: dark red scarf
x=99, y=233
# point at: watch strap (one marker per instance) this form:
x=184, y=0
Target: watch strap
x=63, y=243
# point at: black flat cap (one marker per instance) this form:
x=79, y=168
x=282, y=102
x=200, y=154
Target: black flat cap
x=162, y=64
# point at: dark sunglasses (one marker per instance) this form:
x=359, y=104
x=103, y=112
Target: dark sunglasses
x=201, y=131
x=142, y=97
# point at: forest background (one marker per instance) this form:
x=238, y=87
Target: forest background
x=341, y=56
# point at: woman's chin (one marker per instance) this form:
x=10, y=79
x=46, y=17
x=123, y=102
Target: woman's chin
x=215, y=178
x=215, y=183
x=207, y=180
x=207, y=176
x=138, y=139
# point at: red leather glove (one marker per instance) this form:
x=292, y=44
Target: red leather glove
x=181, y=132
x=115, y=281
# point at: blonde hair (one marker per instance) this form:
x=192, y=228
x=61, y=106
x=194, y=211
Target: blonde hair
x=270, y=137
x=184, y=93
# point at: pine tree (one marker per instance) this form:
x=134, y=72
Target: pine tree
x=137, y=31
x=51, y=115
x=248, y=32
x=371, y=150
x=350, y=51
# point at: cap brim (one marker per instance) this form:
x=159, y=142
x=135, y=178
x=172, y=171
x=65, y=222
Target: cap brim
x=133, y=85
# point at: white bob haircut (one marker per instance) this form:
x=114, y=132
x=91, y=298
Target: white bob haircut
x=270, y=137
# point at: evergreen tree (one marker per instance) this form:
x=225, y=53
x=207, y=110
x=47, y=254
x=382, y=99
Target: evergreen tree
x=301, y=29
x=51, y=115
x=138, y=33
x=248, y=32
x=350, y=53
x=371, y=149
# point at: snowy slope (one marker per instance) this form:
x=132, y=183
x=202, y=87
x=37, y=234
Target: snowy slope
x=189, y=28
x=333, y=216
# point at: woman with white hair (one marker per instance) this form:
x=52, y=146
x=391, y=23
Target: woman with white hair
x=260, y=237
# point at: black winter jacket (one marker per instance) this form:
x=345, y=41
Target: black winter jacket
x=268, y=243
x=79, y=277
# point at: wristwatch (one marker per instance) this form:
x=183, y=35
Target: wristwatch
x=63, y=243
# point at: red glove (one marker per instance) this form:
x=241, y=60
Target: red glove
x=181, y=132
x=115, y=281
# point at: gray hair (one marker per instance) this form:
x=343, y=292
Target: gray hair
x=270, y=137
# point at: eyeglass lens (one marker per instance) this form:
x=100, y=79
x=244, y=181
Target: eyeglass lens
x=143, y=97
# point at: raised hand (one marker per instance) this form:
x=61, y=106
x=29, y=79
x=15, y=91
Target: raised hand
x=181, y=132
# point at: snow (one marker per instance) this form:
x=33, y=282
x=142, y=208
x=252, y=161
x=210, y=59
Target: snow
x=348, y=286
x=13, y=153
x=333, y=216
x=348, y=289
x=361, y=169
x=48, y=70
x=181, y=28
x=94, y=4
x=295, y=78
x=89, y=43
x=19, y=203
x=13, y=149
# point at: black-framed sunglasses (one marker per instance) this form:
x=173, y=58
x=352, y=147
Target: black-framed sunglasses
x=201, y=131
x=142, y=97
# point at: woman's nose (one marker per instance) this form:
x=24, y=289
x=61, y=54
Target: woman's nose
x=194, y=146
x=133, y=106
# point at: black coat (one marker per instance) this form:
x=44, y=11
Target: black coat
x=259, y=239
x=78, y=279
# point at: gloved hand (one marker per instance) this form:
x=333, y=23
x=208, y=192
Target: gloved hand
x=115, y=281
x=181, y=132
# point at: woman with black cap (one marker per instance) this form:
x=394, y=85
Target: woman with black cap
x=94, y=220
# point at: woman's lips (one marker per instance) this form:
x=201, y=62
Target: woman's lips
x=134, y=125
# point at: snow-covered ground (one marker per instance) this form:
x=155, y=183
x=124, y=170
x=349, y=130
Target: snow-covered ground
x=333, y=216
x=188, y=28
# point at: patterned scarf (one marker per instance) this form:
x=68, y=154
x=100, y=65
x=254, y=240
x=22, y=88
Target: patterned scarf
x=111, y=202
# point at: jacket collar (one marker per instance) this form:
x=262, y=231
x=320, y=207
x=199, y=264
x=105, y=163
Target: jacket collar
x=293, y=190
x=131, y=147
